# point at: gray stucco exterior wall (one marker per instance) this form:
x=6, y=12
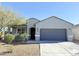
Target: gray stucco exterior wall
x=54, y=23
x=31, y=23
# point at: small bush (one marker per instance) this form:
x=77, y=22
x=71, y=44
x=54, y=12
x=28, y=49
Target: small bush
x=9, y=38
x=21, y=37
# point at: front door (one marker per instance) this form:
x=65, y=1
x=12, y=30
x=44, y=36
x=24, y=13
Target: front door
x=32, y=33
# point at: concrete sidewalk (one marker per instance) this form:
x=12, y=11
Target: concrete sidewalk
x=59, y=49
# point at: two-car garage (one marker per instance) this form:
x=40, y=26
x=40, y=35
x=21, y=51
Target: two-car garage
x=53, y=35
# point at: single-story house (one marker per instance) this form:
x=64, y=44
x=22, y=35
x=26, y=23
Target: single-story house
x=76, y=32
x=49, y=29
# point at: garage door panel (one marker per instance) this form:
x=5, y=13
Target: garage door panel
x=53, y=34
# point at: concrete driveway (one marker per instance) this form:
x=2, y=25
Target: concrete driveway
x=59, y=49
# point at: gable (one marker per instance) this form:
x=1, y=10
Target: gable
x=32, y=21
x=54, y=21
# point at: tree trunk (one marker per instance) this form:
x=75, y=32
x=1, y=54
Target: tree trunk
x=3, y=33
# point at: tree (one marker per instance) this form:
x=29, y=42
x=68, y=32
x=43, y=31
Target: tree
x=19, y=21
x=9, y=18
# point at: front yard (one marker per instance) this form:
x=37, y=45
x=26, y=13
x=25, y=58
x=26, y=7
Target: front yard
x=42, y=49
x=19, y=50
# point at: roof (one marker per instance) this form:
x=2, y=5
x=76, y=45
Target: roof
x=76, y=25
x=57, y=18
x=37, y=21
x=33, y=19
x=19, y=25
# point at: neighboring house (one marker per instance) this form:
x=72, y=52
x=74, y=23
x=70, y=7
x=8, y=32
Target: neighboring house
x=76, y=32
x=50, y=29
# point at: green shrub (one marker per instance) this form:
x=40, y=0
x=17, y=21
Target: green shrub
x=21, y=37
x=9, y=38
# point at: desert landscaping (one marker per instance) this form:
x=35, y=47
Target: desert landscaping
x=19, y=49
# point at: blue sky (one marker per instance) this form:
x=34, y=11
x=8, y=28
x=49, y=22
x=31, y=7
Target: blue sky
x=68, y=11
